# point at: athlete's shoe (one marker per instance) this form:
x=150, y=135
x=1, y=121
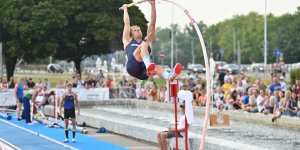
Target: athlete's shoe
x=66, y=140
x=30, y=123
x=73, y=140
x=151, y=67
x=19, y=119
x=175, y=72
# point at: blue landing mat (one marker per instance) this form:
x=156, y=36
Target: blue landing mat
x=29, y=141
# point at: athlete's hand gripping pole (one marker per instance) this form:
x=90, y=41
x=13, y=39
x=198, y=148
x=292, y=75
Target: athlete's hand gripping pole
x=134, y=3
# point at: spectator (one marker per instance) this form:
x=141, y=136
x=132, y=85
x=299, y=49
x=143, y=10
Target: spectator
x=219, y=99
x=4, y=85
x=109, y=82
x=60, y=85
x=262, y=101
x=296, y=87
x=100, y=75
x=196, y=94
x=282, y=84
x=283, y=102
x=252, y=107
x=221, y=78
x=259, y=85
x=227, y=86
x=292, y=104
x=79, y=83
x=233, y=101
x=200, y=84
x=245, y=99
x=202, y=98
x=275, y=84
x=30, y=83
x=279, y=106
x=123, y=82
x=11, y=83
x=139, y=91
x=161, y=94
x=40, y=83
x=46, y=84
x=154, y=94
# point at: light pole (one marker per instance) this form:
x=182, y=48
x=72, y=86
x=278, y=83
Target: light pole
x=265, y=36
x=172, y=38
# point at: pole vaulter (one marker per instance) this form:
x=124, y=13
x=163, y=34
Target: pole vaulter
x=207, y=73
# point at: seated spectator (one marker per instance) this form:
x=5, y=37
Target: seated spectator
x=46, y=84
x=30, y=84
x=39, y=83
x=252, y=107
x=196, y=94
x=283, y=102
x=4, y=85
x=60, y=85
x=279, y=106
x=275, y=84
x=233, y=101
x=245, y=99
x=202, y=98
x=219, y=99
x=11, y=83
x=79, y=83
x=262, y=102
x=161, y=94
x=153, y=94
x=292, y=104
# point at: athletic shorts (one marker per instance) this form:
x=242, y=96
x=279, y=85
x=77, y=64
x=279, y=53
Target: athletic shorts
x=136, y=69
x=171, y=134
x=69, y=113
x=20, y=100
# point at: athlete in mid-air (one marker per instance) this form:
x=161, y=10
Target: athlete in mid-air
x=138, y=50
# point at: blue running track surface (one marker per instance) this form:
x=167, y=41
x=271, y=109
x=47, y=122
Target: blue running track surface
x=29, y=141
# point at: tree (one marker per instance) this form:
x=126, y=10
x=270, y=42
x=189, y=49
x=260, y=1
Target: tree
x=93, y=27
x=28, y=25
x=66, y=29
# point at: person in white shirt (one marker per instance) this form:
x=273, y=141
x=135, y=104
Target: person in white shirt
x=219, y=99
x=262, y=101
x=282, y=84
x=164, y=135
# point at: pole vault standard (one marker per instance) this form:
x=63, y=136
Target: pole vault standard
x=173, y=90
x=207, y=73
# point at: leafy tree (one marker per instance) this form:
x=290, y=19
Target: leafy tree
x=66, y=29
x=27, y=26
x=93, y=27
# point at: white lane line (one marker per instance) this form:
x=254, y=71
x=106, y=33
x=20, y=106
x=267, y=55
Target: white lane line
x=41, y=135
x=8, y=145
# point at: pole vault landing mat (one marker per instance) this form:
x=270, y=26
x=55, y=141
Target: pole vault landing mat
x=40, y=137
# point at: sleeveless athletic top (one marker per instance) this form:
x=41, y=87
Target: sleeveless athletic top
x=135, y=68
x=132, y=46
x=69, y=102
x=20, y=91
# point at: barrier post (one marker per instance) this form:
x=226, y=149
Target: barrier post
x=173, y=90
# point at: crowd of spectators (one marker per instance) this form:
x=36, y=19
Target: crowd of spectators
x=228, y=93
